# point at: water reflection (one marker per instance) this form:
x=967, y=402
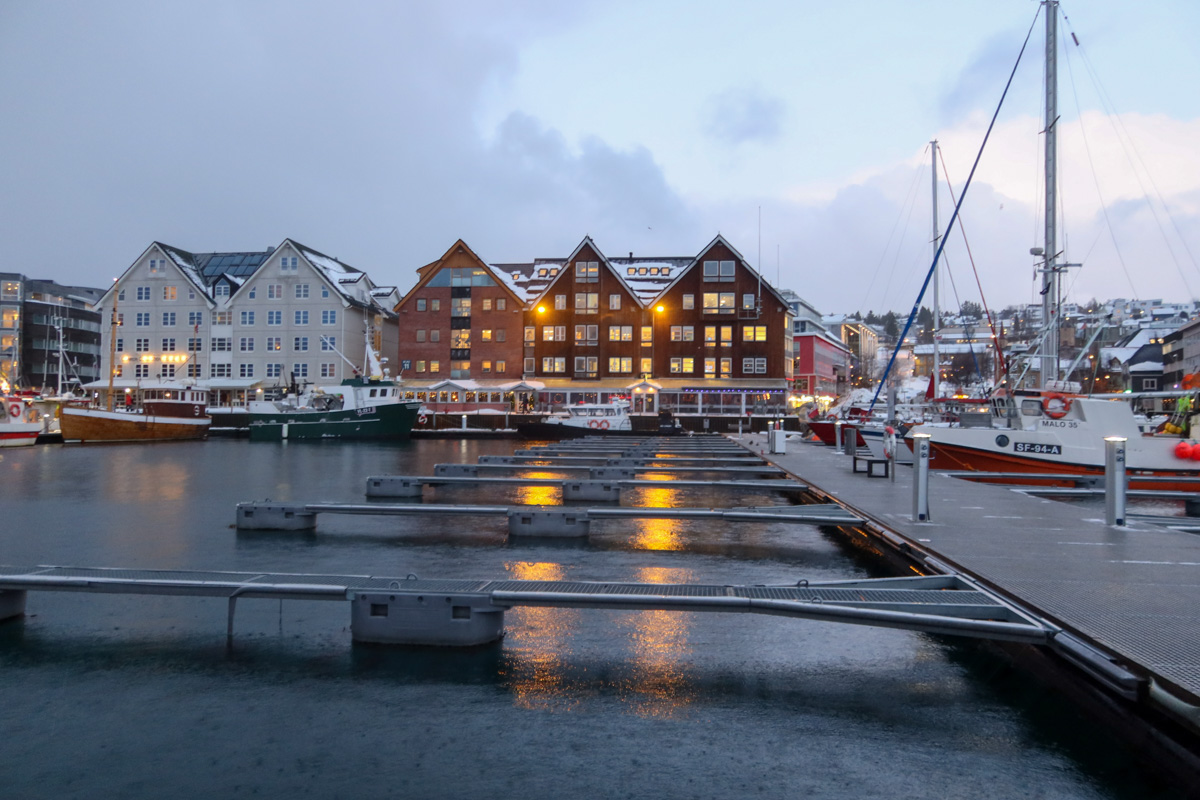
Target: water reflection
x=660, y=685
x=539, y=640
x=658, y=534
x=539, y=495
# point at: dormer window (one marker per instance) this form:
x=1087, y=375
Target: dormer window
x=631, y=271
x=553, y=271
x=221, y=290
x=654, y=270
x=665, y=272
x=543, y=273
x=516, y=276
x=641, y=270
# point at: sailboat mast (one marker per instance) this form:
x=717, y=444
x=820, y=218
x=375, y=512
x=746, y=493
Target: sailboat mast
x=1050, y=288
x=937, y=314
x=112, y=348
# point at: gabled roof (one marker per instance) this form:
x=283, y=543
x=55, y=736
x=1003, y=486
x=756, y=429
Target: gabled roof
x=641, y=300
x=427, y=272
x=719, y=239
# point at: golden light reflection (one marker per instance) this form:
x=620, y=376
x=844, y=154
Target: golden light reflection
x=660, y=686
x=658, y=534
x=654, y=497
x=540, y=641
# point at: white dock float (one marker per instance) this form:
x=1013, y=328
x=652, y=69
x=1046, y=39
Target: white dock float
x=460, y=613
x=530, y=520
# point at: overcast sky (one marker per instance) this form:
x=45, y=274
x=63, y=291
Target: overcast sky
x=380, y=133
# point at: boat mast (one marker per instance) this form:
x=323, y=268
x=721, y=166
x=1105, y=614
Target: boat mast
x=937, y=314
x=1050, y=269
x=112, y=348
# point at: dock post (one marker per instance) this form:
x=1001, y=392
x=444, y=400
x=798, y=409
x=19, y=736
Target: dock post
x=1114, y=480
x=920, y=511
x=12, y=603
x=837, y=436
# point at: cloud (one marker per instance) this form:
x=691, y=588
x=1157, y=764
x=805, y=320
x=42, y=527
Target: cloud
x=741, y=115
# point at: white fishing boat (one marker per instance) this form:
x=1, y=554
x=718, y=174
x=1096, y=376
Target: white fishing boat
x=21, y=424
x=594, y=419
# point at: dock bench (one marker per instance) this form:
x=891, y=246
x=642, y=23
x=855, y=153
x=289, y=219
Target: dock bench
x=871, y=462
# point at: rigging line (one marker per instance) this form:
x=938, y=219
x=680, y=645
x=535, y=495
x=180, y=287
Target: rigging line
x=971, y=258
x=966, y=186
x=1087, y=148
x=1128, y=141
x=887, y=287
x=908, y=201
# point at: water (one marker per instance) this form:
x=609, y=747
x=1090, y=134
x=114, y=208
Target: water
x=137, y=697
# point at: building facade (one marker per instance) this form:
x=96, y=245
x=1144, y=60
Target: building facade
x=49, y=335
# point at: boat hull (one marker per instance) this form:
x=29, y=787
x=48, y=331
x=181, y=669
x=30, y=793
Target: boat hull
x=554, y=431
x=19, y=434
x=385, y=421
x=826, y=432
x=93, y=425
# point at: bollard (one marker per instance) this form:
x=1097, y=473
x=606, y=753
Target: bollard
x=1114, y=480
x=837, y=436
x=920, y=477
x=890, y=451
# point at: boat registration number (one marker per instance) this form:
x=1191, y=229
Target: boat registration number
x=367, y=410
x=1046, y=449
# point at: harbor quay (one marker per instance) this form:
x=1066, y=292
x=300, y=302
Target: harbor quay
x=1124, y=600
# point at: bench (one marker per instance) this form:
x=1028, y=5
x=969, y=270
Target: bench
x=871, y=461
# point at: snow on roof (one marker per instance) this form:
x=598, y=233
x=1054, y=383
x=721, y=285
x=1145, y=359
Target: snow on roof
x=186, y=263
x=1146, y=366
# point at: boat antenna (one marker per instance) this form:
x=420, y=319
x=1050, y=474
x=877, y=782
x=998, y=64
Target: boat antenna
x=112, y=346
x=957, y=206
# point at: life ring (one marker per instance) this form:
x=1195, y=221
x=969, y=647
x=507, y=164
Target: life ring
x=593, y=423
x=421, y=419
x=831, y=417
x=603, y=425
x=1055, y=405
x=14, y=410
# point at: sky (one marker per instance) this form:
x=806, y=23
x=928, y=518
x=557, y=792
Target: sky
x=382, y=132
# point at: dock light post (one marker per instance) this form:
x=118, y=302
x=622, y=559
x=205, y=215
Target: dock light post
x=1114, y=480
x=837, y=437
x=920, y=477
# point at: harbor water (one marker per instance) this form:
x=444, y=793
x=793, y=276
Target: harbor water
x=139, y=697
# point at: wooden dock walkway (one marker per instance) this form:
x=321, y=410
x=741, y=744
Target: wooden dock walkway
x=1132, y=594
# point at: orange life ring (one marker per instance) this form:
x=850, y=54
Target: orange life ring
x=603, y=425
x=14, y=410
x=1055, y=405
x=592, y=423
x=421, y=419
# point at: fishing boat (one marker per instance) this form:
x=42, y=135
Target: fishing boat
x=594, y=419
x=1053, y=429
x=369, y=405
x=153, y=415
x=20, y=426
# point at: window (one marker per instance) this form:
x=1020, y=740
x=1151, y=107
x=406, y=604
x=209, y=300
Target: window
x=689, y=302
x=168, y=319
x=460, y=306
x=120, y=294
x=684, y=365
x=435, y=335
x=748, y=302
x=551, y=364
x=246, y=345
x=274, y=343
x=587, y=303
x=420, y=366
x=118, y=371
x=252, y=292
x=485, y=335
x=329, y=370
x=329, y=316
x=143, y=293
x=622, y=365
x=647, y=336
x=614, y=302
x=275, y=291
x=301, y=291
x=328, y=343
x=141, y=371
x=12, y=322
x=460, y=340
x=500, y=365
x=120, y=345
x=586, y=366
x=754, y=333
x=528, y=365
x=460, y=369
x=247, y=317
x=222, y=318
x=324, y=290
x=501, y=305
x=157, y=265
x=221, y=290
x=726, y=336
x=485, y=304
x=1149, y=384
x=554, y=333
x=274, y=317
x=245, y=370
x=719, y=271
x=647, y=366
x=421, y=304
x=222, y=345
x=301, y=317
x=435, y=366
x=195, y=345
x=683, y=333
x=560, y=302
x=274, y=370
x=710, y=335
x=620, y=333
x=500, y=335
x=718, y=303
x=194, y=370
x=288, y=264
x=169, y=293
x=587, y=272
x=300, y=344
x=141, y=345
x=220, y=370
x=530, y=334
x=587, y=335
x=300, y=370
x=434, y=305
x=421, y=335
x=195, y=318
x=485, y=367
x=726, y=367
x=168, y=345
x=754, y=366
x=710, y=367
